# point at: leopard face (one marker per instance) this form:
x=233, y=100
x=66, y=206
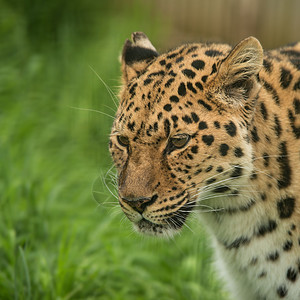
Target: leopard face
x=180, y=140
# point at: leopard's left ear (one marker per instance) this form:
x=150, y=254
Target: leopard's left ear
x=136, y=55
x=237, y=77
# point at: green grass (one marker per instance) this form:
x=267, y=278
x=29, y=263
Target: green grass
x=56, y=241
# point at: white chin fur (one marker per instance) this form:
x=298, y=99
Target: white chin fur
x=147, y=228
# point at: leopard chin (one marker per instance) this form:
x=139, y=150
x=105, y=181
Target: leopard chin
x=146, y=227
x=170, y=227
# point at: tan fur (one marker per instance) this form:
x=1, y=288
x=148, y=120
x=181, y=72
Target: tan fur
x=234, y=114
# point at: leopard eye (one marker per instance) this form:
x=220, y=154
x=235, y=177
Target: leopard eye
x=123, y=140
x=180, y=141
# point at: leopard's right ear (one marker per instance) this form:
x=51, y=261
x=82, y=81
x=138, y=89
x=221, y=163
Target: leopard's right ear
x=136, y=55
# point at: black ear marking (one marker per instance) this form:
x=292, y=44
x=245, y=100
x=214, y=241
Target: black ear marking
x=138, y=50
x=132, y=53
x=136, y=55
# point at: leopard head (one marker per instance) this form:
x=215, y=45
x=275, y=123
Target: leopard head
x=180, y=138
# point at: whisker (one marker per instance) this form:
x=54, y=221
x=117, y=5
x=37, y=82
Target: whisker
x=92, y=110
x=113, y=96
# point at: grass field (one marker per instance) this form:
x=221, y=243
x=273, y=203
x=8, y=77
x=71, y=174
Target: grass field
x=62, y=234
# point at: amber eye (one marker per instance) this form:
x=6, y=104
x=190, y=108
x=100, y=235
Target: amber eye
x=123, y=140
x=180, y=140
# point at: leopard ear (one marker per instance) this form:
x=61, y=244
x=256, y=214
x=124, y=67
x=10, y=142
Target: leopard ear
x=237, y=76
x=136, y=55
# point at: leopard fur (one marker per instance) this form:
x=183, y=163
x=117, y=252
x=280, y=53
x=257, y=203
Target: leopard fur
x=208, y=127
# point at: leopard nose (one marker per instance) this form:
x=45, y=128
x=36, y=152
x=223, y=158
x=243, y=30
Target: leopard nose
x=139, y=204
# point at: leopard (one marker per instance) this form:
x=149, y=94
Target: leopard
x=207, y=127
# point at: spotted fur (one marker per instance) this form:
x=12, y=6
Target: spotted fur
x=208, y=127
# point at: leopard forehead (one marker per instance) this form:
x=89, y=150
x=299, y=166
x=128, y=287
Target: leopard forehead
x=173, y=86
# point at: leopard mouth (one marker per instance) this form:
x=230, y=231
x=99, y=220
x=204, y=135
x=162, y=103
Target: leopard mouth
x=171, y=225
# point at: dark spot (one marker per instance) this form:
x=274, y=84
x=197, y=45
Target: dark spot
x=238, y=152
x=155, y=126
x=195, y=117
x=179, y=59
x=168, y=107
x=204, y=78
x=159, y=116
x=174, y=118
x=198, y=172
x=214, y=69
x=199, y=85
x=223, y=149
x=162, y=62
x=263, y=196
x=202, y=125
x=237, y=172
x=273, y=256
x=167, y=127
x=282, y=291
x=237, y=243
x=220, y=169
x=285, y=169
x=272, y=91
x=208, y=169
x=172, y=55
x=221, y=189
x=285, y=78
x=207, y=106
x=267, y=65
x=217, y=124
x=291, y=274
x=267, y=228
x=253, y=175
x=213, y=53
x=285, y=207
x=147, y=81
x=262, y=274
x=277, y=126
x=168, y=66
x=230, y=128
x=132, y=90
x=254, y=134
x=169, y=82
x=189, y=157
x=210, y=181
x=297, y=106
x=189, y=73
x=266, y=158
x=182, y=89
x=208, y=139
x=174, y=99
x=288, y=245
x=198, y=64
x=131, y=126
x=131, y=104
x=172, y=73
x=296, y=130
x=159, y=73
x=297, y=86
x=187, y=119
x=290, y=53
x=192, y=49
x=263, y=111
x=194, y=149
x=191, y=88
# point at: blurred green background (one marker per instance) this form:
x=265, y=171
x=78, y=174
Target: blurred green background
x=62, y=234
